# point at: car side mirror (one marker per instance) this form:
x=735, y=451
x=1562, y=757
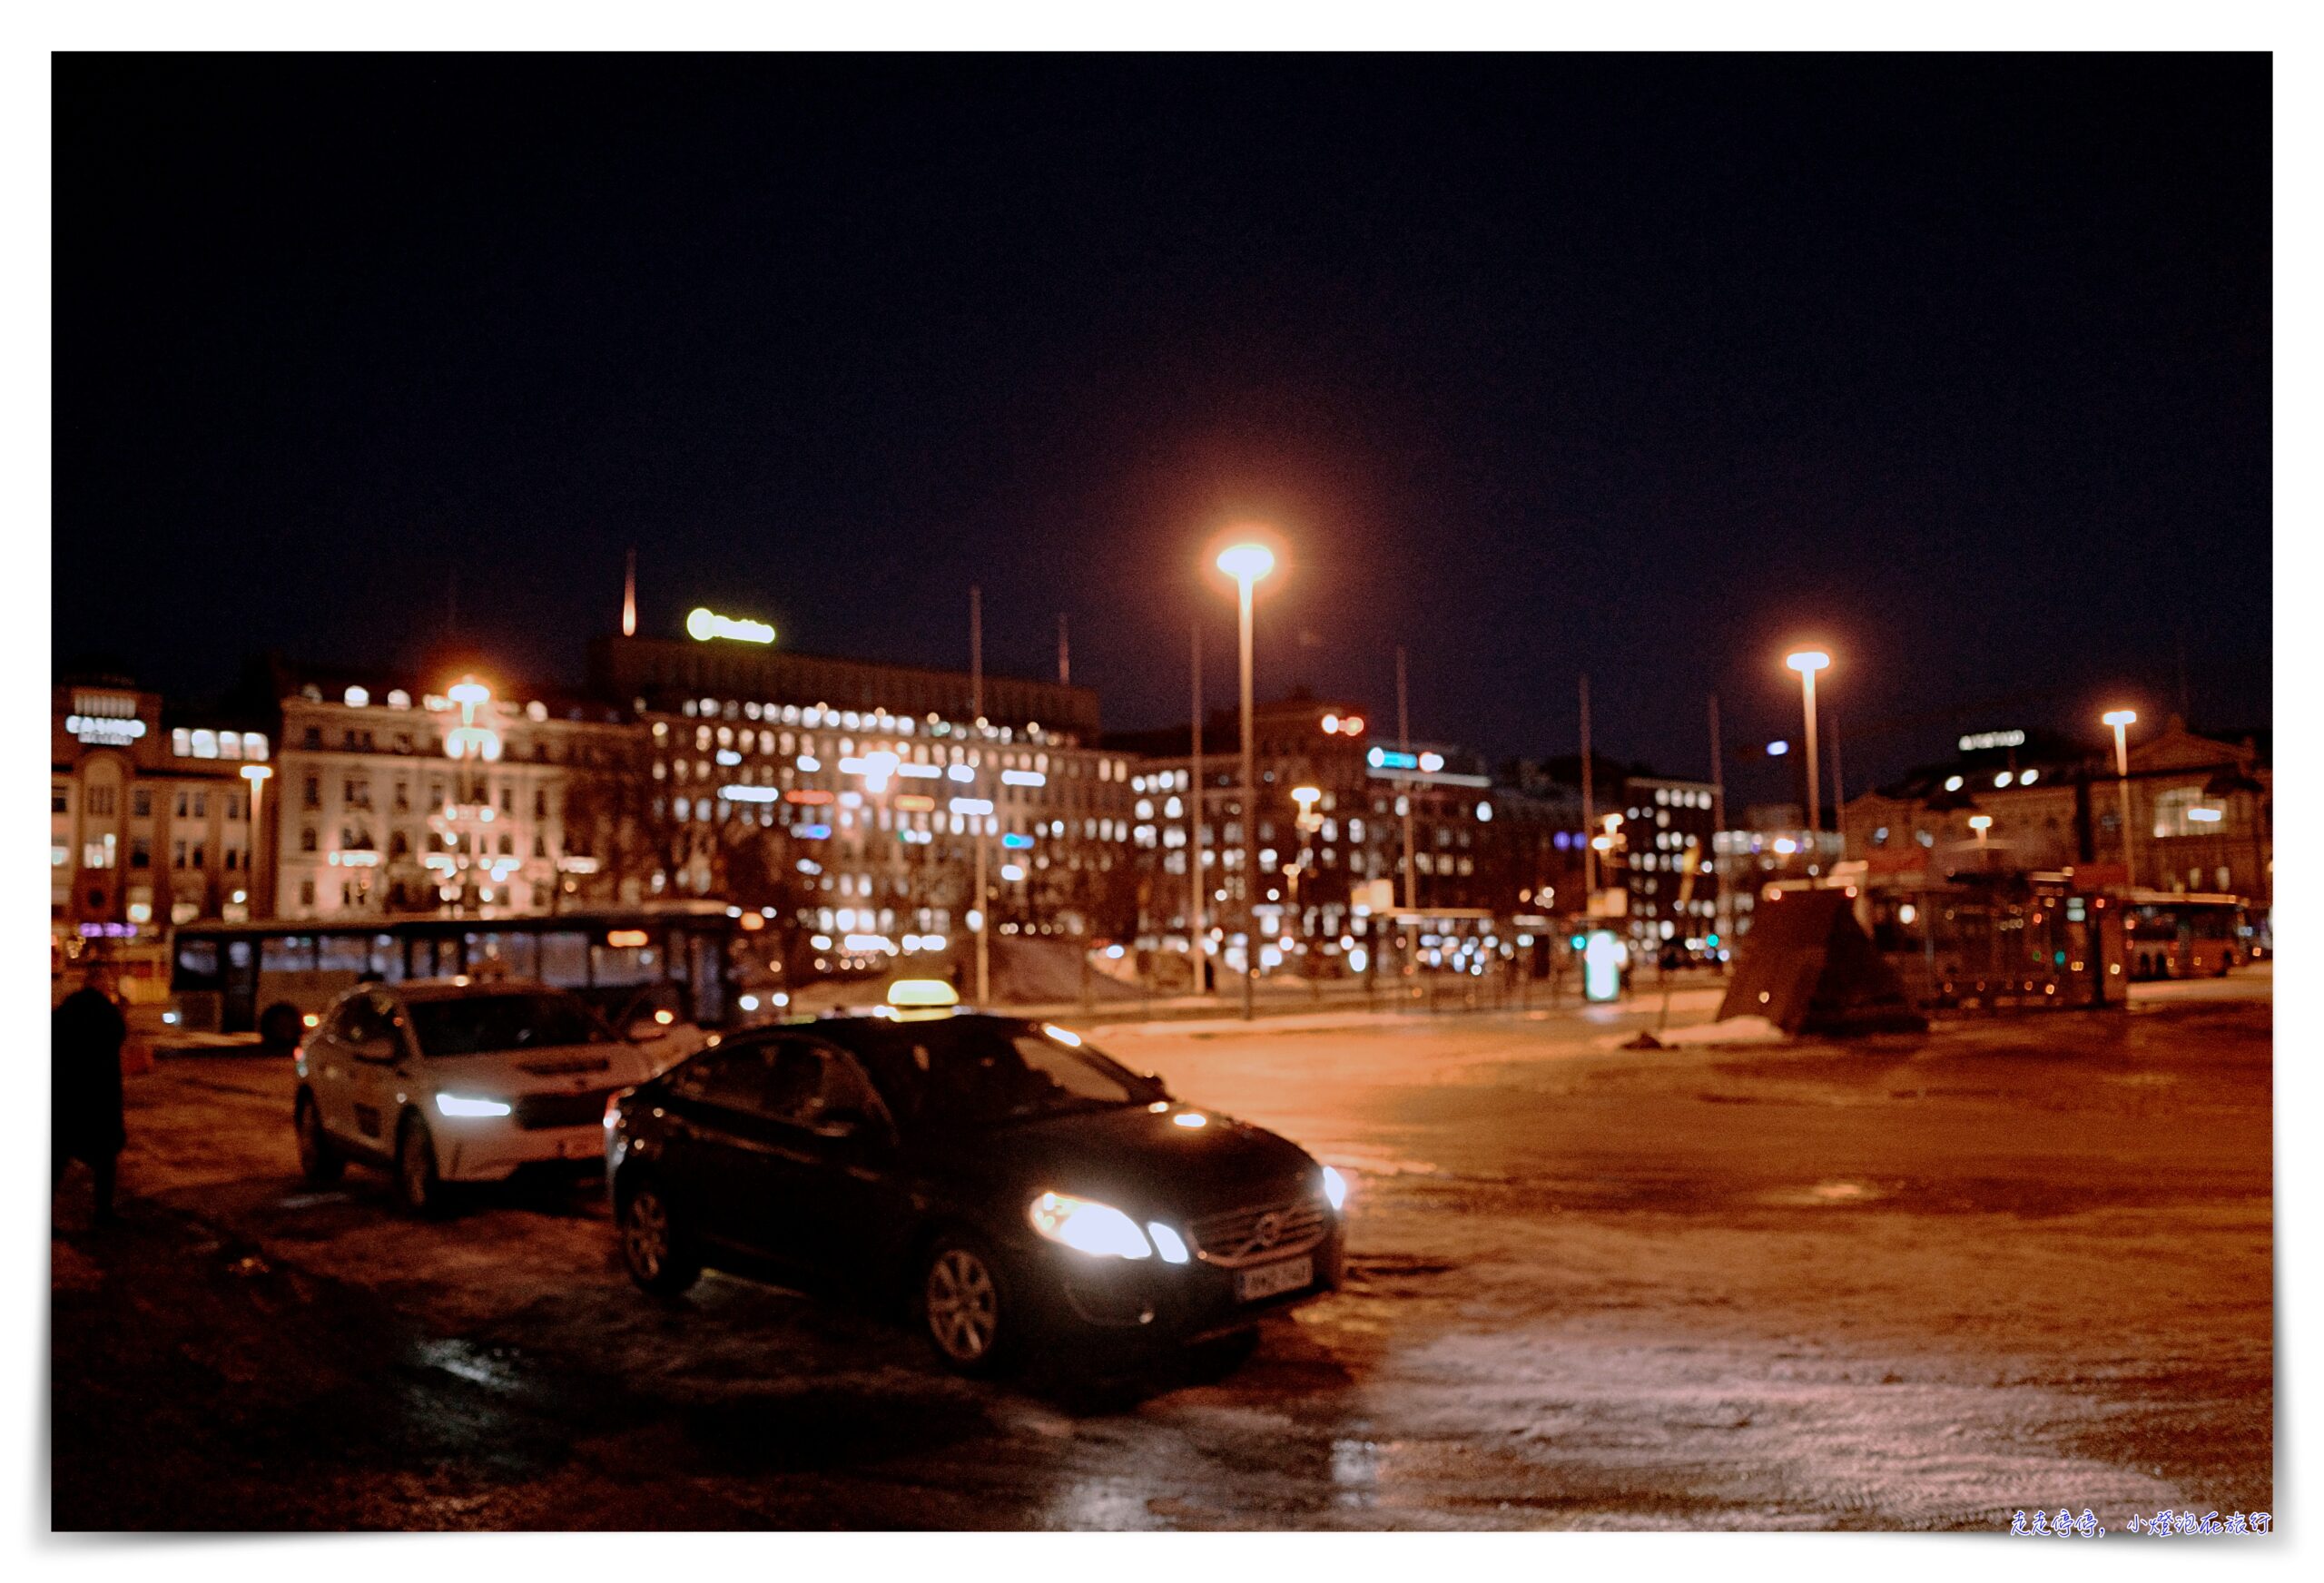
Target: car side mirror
x=1161, y=1090
x=380, y=1051
x=646, y=1031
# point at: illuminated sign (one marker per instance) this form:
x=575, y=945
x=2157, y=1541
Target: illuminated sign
x=103, y=730
x=1601, y=967
x=702, y=624
x=1979, y=740
x=1015, y=842
x=626, y=938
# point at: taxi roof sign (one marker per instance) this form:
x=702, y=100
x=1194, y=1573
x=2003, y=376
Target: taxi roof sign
x=921, y=993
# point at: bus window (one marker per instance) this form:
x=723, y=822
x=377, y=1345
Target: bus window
x=341, y=953
x=290, y=953
x=709, y=977
x=511, y=953
x=565, y=959
x=623, y=965
x=197, y=966
x=387, y=958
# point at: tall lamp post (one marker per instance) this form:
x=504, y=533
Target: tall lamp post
x=2122, y=719
x=1808, y=662
x=1247, y=564
x=256, y=774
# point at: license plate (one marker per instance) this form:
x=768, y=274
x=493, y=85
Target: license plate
x=1273, y=1279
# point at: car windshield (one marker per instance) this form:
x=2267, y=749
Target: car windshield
x=473, y=1025
x=982, y=1069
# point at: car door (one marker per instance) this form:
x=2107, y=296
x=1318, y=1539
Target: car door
x=718, y=1140
x=372, y=1034
x=850, y=1206
x=331, y=1075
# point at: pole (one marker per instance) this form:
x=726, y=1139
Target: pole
x=1196, y=942
x=976, y=709
x=1840, y=793
x=2123, y=791
x=1807, y=706
x=1064, y=653
x=1404, y=743
x=1250, y=815
x=1407, y=926
x=1589, y=807
x=1718, y=822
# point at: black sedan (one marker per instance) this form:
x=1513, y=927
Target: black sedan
x=1018, y=1189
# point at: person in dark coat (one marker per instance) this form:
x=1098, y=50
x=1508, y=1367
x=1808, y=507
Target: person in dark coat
x=84, y=1038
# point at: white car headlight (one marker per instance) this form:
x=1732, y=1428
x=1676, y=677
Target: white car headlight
x=1334, y=1187
x=468, y=1104
x=1168, y=1243
x=1088, y=1226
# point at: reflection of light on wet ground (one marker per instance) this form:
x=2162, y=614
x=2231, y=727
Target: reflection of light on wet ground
x=1356, y=1474
x=1372, y=1160
x=1101, y=1503
x=1835, y=1192
x=466, y=1361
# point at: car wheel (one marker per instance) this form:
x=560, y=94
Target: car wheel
x=281, y=1026
x=652, y=1248
x=965, y=1306
x=319, y=1161
x=416, y=1181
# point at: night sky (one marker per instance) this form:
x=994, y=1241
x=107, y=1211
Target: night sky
x=1647, y=367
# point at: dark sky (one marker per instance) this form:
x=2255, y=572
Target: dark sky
x=1643, y=366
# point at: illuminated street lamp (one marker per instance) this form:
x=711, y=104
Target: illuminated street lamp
x=2121, y=720
x=1246, y=562
x=1981, y=823
x=1309, y=821
x=257, y=775
x=1808, y=662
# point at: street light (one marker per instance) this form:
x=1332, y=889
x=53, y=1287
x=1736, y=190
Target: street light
x=256, y=774
x=2122, y=719
x=1246, y=562
x=1808, y=662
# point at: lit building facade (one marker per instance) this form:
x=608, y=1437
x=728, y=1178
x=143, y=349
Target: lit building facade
x=396, y=801
x=850, y=798
x=2201, y=815
x=1329, y=832
x=149, y=818
x=1669, y=827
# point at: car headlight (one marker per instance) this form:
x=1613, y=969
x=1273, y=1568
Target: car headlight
x=1088, y=1226
x=468, y=1104
x=1334, y=1187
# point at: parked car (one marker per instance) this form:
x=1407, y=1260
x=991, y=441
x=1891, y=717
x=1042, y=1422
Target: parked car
x=1010, y=1185
x=461, y=1080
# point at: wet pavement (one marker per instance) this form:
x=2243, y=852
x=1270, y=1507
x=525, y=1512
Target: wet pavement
x=1911, y=1283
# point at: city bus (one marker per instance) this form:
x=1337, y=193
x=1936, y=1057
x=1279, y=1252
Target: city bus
x=673, y=965
x=2184, y=935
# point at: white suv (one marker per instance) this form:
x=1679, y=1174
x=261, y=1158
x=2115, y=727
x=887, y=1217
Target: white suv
x=459, y=1080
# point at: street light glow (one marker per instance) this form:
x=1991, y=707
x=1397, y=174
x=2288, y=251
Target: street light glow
x=1246, y=562
x=1809, y=660
x=2119, y=717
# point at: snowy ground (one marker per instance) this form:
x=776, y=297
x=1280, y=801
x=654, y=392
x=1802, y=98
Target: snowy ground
x=1918, y=1282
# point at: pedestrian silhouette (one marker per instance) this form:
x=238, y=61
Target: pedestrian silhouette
x=86, y=1034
